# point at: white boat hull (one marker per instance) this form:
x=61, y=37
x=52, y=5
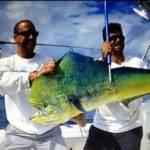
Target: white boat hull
x=75, y=136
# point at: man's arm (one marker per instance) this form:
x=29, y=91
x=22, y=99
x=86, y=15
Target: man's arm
x=48, y=68
x=106, y=49
x=12, y=82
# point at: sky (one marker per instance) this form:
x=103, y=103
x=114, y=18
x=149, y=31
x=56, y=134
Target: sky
x=74, y=23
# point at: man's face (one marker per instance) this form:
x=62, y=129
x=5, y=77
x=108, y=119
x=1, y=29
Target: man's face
x=117, y=40
x=26, y=35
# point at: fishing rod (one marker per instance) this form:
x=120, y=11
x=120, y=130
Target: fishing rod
x=145, y=53
x=107, y=38
x=41, y=44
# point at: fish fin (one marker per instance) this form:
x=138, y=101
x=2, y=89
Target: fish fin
x=75, y=101
x=58, y=61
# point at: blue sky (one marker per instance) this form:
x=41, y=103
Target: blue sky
x=75, y=23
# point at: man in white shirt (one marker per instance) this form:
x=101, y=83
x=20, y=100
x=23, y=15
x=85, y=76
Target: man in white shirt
x=115, y=126
x=17, y=73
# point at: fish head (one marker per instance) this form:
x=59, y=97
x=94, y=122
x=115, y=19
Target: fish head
x=52, y=114
x=52, y=105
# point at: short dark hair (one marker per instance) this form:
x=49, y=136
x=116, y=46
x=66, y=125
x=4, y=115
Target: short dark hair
x=17, y=25
x=113, y=27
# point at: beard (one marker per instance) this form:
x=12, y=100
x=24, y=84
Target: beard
x=29, y=46
x=118, y=52
x=118, y=49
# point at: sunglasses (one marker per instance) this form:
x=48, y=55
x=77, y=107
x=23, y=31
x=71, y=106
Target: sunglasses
x=27, y=34
x=115, y=37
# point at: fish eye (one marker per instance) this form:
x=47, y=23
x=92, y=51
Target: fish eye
x=45, y=105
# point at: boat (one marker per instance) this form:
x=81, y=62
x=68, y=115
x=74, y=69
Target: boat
x=75, y=136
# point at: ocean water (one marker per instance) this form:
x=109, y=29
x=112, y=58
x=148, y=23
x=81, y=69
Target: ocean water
x=4, y=122
x=3, y=118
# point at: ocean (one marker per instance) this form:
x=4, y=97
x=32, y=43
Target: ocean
x=4, y=122
x=3, y=118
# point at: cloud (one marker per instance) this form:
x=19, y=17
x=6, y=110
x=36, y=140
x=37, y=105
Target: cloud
x=77, y=23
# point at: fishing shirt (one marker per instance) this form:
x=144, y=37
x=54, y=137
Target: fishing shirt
x=115, y=117
x=14, y=85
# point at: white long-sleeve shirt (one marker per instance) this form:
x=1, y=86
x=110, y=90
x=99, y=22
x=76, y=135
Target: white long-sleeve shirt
x=14, y=84
x=115, y=117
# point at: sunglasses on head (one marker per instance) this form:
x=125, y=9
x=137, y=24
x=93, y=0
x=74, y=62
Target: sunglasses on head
x=115, y=37
x=28, y=33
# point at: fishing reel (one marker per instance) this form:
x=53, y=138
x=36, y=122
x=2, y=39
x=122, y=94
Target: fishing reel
x=144, y=9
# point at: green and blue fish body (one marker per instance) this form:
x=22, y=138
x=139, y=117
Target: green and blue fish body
x=81, y=84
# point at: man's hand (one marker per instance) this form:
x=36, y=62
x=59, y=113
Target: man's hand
x=107, y=48
x=48, y=68
x=80, y=119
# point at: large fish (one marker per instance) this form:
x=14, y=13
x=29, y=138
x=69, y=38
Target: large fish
x=81, y=84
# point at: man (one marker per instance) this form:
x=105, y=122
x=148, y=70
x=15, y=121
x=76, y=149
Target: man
x=17, y=75
x=115, y=126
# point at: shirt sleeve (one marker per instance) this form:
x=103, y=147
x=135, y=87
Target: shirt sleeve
x=11, y=81
x=136, y=63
